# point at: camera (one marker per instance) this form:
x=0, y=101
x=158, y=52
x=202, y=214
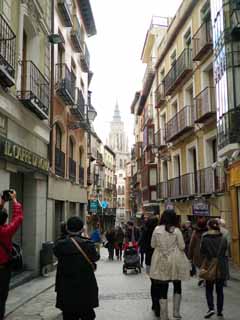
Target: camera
x=6, y=195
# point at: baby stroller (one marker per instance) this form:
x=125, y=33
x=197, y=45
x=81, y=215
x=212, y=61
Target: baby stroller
x=131, y=258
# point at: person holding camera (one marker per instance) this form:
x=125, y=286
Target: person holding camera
x=7, y=231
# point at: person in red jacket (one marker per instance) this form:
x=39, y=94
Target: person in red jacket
x=7, y=231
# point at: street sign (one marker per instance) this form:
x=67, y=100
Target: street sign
x=200, y=207
x=94, y=205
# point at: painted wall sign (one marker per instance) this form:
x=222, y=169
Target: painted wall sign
x=11, y=151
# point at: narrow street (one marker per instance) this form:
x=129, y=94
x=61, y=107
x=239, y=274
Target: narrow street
x=124, y=297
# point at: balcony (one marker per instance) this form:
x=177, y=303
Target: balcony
x=148, y=114
x=202, y=41
x=65, y=11
x=76, y=35
x=206, y=181
x=204, y=105
x=148, y=137
x=59, y=163
x=181, y=123
x=163, y=190
x=229, y=130
x=85, y=59
x=181, y=68
x=211, y=180
x=34, y=93
x=81, y=175
x=72, y=170
x=78, y=109
x=89, y=177
x=7, y=54
x=160, y=96
x=160, y=139
x=65, y=84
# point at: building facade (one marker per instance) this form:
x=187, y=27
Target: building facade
x=177, y=109
x=24, y=115
x=67, y=191
x=118, y=142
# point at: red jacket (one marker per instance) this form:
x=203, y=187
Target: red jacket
x=8, y=230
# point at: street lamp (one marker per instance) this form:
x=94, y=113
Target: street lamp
x=91, y=113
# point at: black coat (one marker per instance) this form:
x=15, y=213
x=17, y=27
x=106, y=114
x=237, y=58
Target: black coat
x=149, y=228
x=76, y=285
x=213, y=244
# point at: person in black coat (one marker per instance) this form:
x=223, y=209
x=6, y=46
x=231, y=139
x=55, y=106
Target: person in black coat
x=214, y=244
x=76, y=285
x=149, y=228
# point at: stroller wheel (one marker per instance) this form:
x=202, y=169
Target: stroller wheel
x=136, y=270
x=124, y=270
x=139, y=270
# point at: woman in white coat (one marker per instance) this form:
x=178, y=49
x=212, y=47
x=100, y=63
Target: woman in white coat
x=169, y=262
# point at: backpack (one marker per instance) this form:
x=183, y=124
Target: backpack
x=15, y=255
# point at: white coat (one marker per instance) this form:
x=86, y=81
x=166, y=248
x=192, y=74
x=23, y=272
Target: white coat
x=169, y=261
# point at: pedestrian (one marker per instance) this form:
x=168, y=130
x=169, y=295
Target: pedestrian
x=7, y=232
x=187, y=234
x=142, y=240
x=132, y=233
x=119, y=237
x=214, y=244
x=194, y=253
x=169, y=262
x=110, y=237
x=96, y=237
x=150, y=226
x=227, y=235
x=76, y=285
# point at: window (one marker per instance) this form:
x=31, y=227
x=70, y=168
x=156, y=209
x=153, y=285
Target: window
x=206, y=12
x=119, y=190
x=173, y=57
x=188, y=39
x=120, y=163
x=122, y=189
x=58, y=137
x=71, y=148
x=81, y=157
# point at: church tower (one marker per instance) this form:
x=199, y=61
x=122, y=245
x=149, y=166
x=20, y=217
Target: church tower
x=118, y=142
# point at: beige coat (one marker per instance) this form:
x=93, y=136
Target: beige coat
x=169, y=261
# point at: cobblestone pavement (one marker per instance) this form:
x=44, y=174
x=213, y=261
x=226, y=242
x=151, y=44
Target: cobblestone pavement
x=126, y=297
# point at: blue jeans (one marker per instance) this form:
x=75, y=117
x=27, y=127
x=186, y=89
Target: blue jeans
x=219, y=291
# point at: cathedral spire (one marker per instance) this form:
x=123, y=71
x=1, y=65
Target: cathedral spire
x=116, y=115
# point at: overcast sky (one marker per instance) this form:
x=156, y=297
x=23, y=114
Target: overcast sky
x=116, y=52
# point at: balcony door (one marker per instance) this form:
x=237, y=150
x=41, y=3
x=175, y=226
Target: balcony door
x=192, y=170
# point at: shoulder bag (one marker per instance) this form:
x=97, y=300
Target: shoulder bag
x=92, y=264
x=15, y=255
x=209, y=270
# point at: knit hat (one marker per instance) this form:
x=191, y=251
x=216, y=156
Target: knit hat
x=74, y=225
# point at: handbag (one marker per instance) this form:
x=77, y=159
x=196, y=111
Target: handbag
x=15, y=255
x=92, y=264
x=209, y=270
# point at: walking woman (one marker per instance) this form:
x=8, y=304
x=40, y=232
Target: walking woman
x=213, y=245
x=76, y=285
x=110, y=236
x=169, y=262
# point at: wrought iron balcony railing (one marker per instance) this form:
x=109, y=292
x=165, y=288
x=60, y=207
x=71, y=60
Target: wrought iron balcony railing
x=90, y=177
x=81, y=175
x=202, y=182
x=65, y=84
x=181, y=123
x=59, y=163
x=228, y=128
x=204, y=105
x=78, y=109
x=202, y=41
x=72, y=169
x=85, y=59
x=160, y=96
x=76, y=35
x=7, y=54
x=160, y=138
x=180, y=69
x=65, y=9
x=34, y=93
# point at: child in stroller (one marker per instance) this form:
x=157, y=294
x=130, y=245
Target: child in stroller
x=131, y=257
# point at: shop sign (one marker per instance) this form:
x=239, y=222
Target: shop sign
x=12, y=151
x=200, y=208
x=94, y=205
